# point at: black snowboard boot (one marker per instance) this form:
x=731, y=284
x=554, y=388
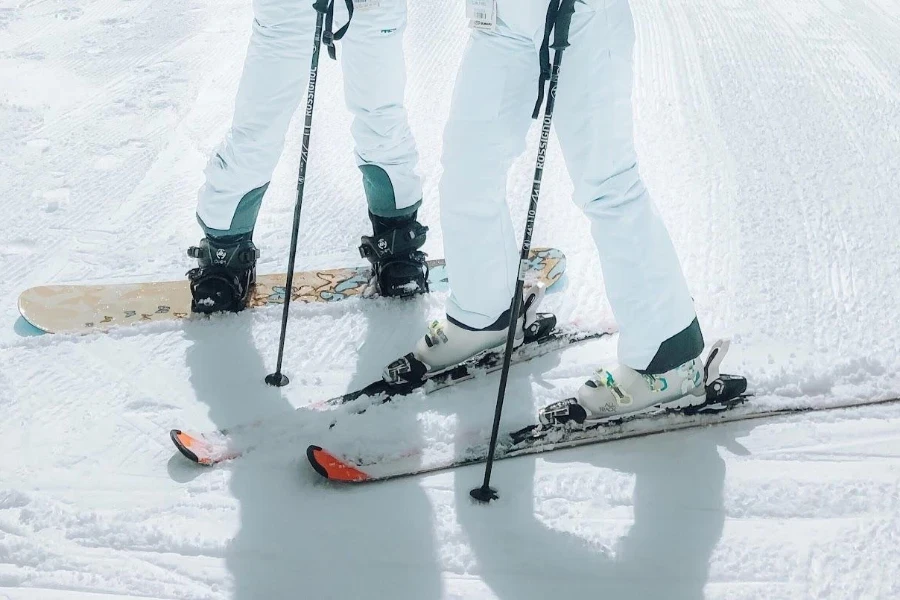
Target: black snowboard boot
x=224, y=279
x=400, y=269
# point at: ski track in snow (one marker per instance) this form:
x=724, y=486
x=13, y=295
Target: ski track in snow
x=768, y=134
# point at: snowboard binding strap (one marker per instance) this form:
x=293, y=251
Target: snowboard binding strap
x=400, y=269
x=405, y=239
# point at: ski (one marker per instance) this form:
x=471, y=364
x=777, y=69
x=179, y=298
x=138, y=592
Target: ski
x=211, y=448
x=728, y=403
x=532, y=439
x=562, y=424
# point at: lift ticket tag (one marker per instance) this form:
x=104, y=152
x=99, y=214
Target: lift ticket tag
x=366, y=4
x=482, y=14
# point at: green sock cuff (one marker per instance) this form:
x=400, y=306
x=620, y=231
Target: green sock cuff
x=685, y=345
x=244, y=219
x=380, y=193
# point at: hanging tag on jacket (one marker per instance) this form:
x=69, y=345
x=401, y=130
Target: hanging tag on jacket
x=366, y=4
x=482, y=14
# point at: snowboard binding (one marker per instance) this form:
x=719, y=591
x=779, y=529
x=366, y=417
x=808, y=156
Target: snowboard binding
x=226, y=275
x=399, y=268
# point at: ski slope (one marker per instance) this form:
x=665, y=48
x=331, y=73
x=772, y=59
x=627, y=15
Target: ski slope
x=769, y=135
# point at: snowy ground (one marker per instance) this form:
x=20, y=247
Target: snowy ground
x=769, y=133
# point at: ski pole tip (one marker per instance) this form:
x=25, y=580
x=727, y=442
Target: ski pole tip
x=484, y=494
x=277, y=379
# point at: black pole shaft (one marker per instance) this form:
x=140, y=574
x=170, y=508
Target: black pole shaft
x=277, y=378
x=485, y=493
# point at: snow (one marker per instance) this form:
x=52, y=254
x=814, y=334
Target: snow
x=768, y=134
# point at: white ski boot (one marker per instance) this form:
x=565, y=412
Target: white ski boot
x=446, y=344
x=624, y=393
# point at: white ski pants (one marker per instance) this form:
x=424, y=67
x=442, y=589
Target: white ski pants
x=274, y=82
x=494, y=97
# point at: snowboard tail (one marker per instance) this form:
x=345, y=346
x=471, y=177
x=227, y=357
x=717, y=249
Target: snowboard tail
x=101, y=307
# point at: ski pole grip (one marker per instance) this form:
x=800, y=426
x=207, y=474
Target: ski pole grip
x=321, y=6
x=563, y=21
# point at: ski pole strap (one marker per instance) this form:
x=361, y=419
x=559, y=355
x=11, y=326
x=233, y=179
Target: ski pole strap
x=552, y=9
x=329, y=36
x=559, y=18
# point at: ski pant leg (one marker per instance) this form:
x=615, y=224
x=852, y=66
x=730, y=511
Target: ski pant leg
x=274, y=78
x=490, y=114
x=593, y=120
x=374, y=85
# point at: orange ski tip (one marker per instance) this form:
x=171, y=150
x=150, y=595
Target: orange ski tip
x=329, y=466
x=188, y=445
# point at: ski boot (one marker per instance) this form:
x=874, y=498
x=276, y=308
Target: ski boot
x=226, y=275
x=399, y=268
x=449, y=342
x=624, y=393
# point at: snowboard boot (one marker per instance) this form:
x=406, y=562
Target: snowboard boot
x=449, y=342
x=226, y=275
x=625, y=392
x=399, y=268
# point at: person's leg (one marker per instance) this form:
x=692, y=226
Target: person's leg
x=489, y=119
x=644, y=280
x=374, y=85
x=490, y=114
x=658, y=327
x=274, y=78
x=273, y=81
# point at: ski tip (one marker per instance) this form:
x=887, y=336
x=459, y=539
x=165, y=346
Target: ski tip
x=186, y=445
x=330, y=467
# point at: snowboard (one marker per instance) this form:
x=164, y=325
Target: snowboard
x=89, y=308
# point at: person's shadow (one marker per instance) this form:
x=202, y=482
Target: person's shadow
x=678, y=517
x=294, y=540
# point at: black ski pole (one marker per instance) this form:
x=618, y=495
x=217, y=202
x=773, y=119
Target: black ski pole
x=486, y=493
x=277, y=378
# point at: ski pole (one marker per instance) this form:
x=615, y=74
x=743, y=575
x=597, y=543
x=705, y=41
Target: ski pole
x=486, y=493
x=277, y=378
